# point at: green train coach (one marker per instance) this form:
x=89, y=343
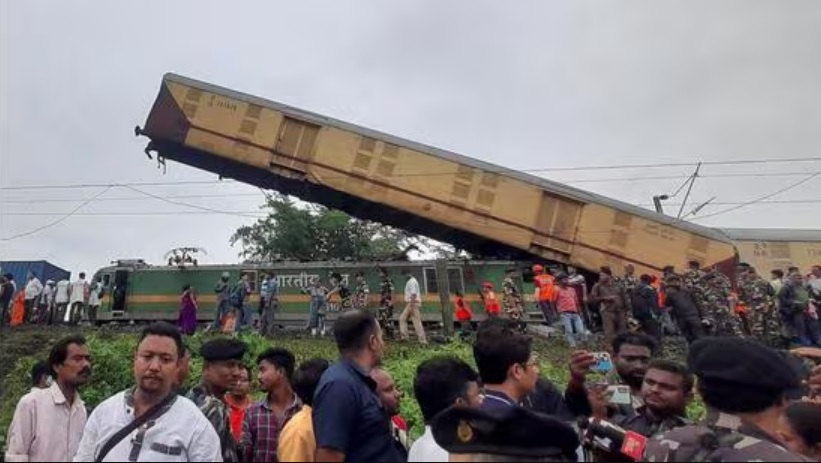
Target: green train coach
x=136, y=291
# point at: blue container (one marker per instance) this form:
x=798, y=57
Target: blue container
x=44, y=270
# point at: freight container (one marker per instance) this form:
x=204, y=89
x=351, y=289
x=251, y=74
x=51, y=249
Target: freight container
x=43, y=269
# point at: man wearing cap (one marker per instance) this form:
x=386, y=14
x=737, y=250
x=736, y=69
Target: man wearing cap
x=517, y=434
x=744, y=385
x=222, y=360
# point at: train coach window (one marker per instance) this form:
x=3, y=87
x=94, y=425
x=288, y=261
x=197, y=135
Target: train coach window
x=252, y=279
x=456, y=280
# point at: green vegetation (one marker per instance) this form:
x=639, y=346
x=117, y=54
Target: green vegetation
x=112, y=354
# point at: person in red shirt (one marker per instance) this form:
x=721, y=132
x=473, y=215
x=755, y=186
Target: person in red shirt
x=238, y=400
x=492, y=306
x=567, y=303
x=463, y=315
x=545, y=283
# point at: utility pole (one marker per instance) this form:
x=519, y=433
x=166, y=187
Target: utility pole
x=443, y=283
x=657, y=202
x=689, y=189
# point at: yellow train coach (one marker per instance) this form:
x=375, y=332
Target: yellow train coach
x=474, y=205
x=770, y=249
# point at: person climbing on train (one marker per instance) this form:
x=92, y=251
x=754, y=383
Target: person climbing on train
x=340, y=288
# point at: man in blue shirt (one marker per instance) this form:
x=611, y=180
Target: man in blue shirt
x=350, y=423
x=507, y=365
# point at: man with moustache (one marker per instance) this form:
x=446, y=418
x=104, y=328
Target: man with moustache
x=48, y=423
x=222, y=360
x=150, y=422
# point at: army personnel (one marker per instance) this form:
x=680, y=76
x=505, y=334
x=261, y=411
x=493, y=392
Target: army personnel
x=361, y=293
x=514, y=434
x=513, y=299
x=743, y=385
x=222, y=358
x=758, y=295
x=717, y=310
x=385, y=313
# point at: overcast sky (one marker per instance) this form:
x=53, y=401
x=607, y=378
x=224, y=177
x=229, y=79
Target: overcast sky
x=543, y=85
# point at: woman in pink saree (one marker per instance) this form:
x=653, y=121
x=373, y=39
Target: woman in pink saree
x=187, y=321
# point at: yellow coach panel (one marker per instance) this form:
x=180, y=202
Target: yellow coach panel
x=445, y=195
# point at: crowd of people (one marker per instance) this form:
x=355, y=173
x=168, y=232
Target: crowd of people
x=54, y=302
x=779, y=312
x=762, y=404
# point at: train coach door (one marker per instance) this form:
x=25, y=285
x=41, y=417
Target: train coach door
x=119, y=292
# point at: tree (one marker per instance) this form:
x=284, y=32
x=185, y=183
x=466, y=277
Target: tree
x=314, y=233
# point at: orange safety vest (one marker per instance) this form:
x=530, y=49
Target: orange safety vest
x=492, y=303
x=545, y=282
x=657, y=284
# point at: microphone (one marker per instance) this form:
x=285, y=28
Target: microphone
x=608, y=437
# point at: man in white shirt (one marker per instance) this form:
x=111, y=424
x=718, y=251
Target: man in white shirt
x=95, y=292
x=48, y=423
x=46, y=303
x=413, y=309
x=174, y=428
x=33, y=290
x=439, y=384
x=61, y=300
x=78, y=293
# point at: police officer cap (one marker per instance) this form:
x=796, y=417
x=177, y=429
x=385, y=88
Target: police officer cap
x=515, y=432
x=743, y=364
x=223, y=349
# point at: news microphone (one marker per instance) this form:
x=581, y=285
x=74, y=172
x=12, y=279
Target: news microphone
x=608, y=437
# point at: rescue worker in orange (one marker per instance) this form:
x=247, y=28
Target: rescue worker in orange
x=492, y=306
x=544, y=283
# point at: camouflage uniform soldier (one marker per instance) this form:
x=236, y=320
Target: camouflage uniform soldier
x=219, y=354
x=628, y=282
x=693, y=282
x=361, y=293
x=717, y=311
x=385, y=313
x=738, y=395
x=757, y=294
x=513, y=299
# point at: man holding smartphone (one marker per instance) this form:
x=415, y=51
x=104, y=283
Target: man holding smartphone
x=666, y=392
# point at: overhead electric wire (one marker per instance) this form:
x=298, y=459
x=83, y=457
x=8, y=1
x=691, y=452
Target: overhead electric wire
x=180, y=203
x=231, y=181
x=61, y=219
x=760, y=199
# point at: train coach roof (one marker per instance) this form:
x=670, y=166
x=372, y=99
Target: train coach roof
x=549, y=185
x=773, y=234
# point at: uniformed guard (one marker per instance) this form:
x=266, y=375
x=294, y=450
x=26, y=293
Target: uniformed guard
x=513, y=434
x=221, y=360
x=385, y=313
x=717, y=310
x=740, y=381
x=758, y=295
x=512, y=300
